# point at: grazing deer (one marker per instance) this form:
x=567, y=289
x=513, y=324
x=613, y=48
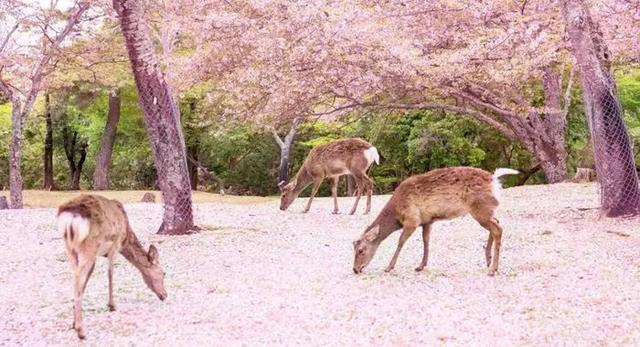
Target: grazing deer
x=96, y=226
x=332, y=160
x=436, y=195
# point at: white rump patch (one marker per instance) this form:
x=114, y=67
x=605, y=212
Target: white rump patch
x=496, y=186
x=80, y=226
x=372, y=155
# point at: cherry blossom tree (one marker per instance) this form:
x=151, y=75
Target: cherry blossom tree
x=23, y=66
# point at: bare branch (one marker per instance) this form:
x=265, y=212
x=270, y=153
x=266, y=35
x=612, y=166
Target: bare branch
x=8, y=37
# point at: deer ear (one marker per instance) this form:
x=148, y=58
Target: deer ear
x=153, y=255
x=281, y=185
x=372, y=234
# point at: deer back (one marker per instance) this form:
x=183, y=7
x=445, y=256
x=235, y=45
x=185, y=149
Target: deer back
x=444, y=193
x=93, y=222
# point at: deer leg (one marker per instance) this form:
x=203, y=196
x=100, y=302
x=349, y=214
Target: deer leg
x=496, y=232
x=355, y=204
x=369, y=192
x=407, y=230
x=82, y=274
x=357, y=176
x=488, y=222
x=111, y=305
x=316, y=186
x=426, y=230
x=334, y=194
x=487, y=249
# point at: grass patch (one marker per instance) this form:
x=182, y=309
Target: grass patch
x=47, y=199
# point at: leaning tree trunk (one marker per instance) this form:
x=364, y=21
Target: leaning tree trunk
x=15, y=159
x=615, y=167
x=103, y=161
x=161, y=118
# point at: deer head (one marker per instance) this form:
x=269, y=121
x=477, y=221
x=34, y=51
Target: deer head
x=153, y=275
x=288, y=194
x=365, y=248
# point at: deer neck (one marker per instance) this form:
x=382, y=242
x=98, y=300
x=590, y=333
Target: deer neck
x=387, y=222
x=132, y=251
x=303, y=179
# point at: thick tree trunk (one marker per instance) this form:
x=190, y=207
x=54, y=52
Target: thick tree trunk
x=103, y=161
x=553, y=151
x=620, y=194
x=15, y=159
x=161, y=118
x=47, y=182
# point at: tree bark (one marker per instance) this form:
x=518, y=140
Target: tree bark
x=615, y=167
x=350, y=185
x=550, y=145
x=193, y=169
x=47, y=182
x=161, y=118
x=103, y=161
x=285, y=150
x=70, y=143
x=15, y=160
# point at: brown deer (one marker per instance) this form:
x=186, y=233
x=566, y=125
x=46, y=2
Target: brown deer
x=437, y=195
x=332, y=160
x=96, y=226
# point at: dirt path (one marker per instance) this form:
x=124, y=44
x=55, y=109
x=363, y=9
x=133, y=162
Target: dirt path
x=264, y=277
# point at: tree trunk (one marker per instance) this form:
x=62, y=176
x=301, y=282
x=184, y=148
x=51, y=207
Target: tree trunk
x=15, y=160
x=350, y=185
x=283, y=168
x=555, y=154
x=47, y=183
x=615, y=167
x=103, y=161
x=70, y=143
x=285, y=149
x=193, y=169
x=161, y=118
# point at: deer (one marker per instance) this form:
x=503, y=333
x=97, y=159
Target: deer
x=439, y=194
x=93, y=226
x=351, y=156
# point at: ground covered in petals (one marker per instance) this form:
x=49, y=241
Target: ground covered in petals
x=260, y=276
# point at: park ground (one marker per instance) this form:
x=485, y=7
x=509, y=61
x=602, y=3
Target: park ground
x=259, y=276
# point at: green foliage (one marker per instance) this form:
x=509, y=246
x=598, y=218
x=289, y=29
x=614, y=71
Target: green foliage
x=246, y=157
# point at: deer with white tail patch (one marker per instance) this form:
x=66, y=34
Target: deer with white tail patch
x=436, y=195
x=332, y=160
x=93, y=226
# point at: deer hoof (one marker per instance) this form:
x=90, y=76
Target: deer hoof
x=81, y=334
x=335, y=212
x=111, y=307
x=388, y=269
x=419, y=268
x=491, y=273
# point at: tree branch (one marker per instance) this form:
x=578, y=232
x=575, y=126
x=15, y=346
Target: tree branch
x=8, y=37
